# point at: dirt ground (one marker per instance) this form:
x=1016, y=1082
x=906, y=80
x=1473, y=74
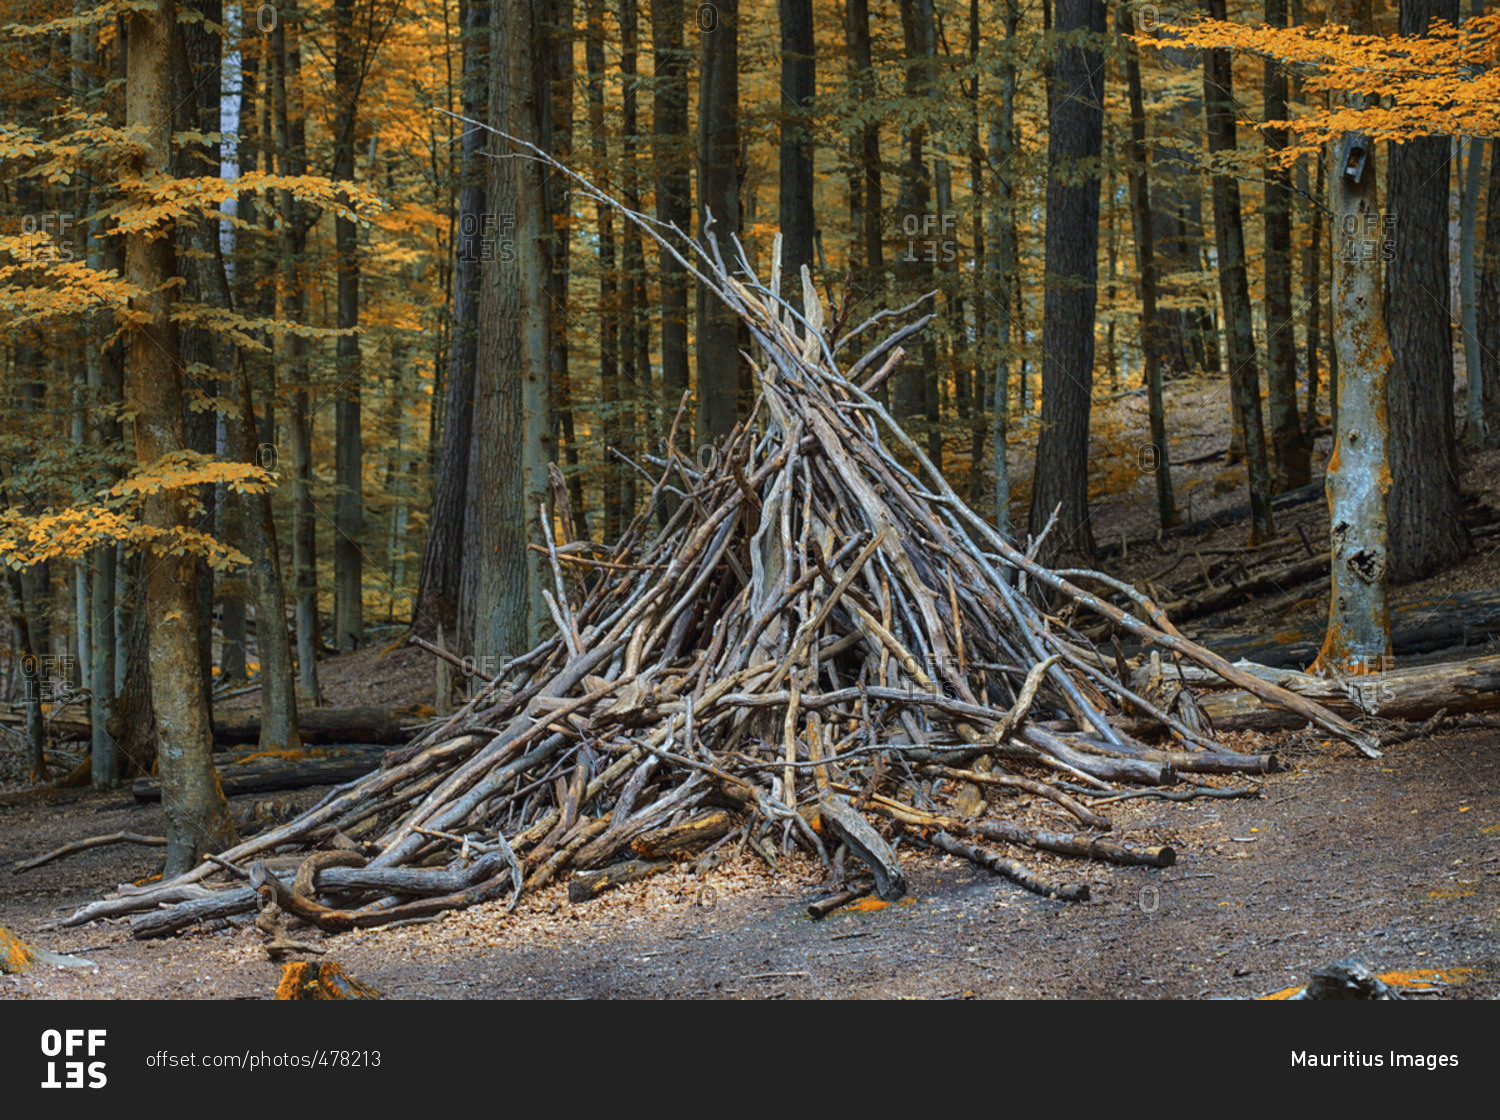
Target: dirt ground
x=1395, y=861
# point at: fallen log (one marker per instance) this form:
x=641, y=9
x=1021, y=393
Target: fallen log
x=1469, y=619
x=867, y=844
x=1234, y=594
x=84, y=845
x=1100, y=766
x=1401, y=694
x=819, y=910
x=324, y=726
x=588, y=885
x=1063, y=843
x=1010, y=869
x=261, y=774
x=183, y=915
x=689, y=836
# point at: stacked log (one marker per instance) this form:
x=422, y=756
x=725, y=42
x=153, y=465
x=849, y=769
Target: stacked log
x=802, y=635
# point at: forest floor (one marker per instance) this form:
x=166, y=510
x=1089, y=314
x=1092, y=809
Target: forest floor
x=1396, y=861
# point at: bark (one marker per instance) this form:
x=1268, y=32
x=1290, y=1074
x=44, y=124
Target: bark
x=348, y=505
x=291, y=241
x=1406, y=694
x=870, y=275
x=1489, y=298
x=614, y=393
x=254, y=523
x=1288, y=451
x=531, y=121
x=1234, y=286
x=1312, y=297
x=1358, y=639
x=561, y=146
x=1426, y=524
x=1074, y=140
x=979, y=174
x=644, y=414
x=1476, y=432
x=673, y=187
x=1145, y=264
x=442, y=559
x=718, y=201
x=132, y=723
x=196, y=814
x=108, y=377
x=508, y=476
x=924, y=232
x=25, y=652
x=1177, y=224
x=1000, y=264
x=798, y=86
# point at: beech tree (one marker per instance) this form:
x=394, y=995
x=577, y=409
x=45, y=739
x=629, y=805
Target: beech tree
x=196, y=813
x=1427, y=529
x=1075, y=133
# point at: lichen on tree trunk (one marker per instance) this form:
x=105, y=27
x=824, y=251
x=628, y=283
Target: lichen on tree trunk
x=1358, y=639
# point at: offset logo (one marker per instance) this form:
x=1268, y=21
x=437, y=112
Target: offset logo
x=74, y=1045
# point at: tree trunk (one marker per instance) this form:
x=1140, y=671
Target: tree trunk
x=1426, y=523
x=1358, y=639
x=1145, y=263
x=613, y=393
x=348, y=504
x=635, y=321
x=1074, y=133
x=869, y=280
x=915, y=390
x=442, y=559
x=208, y=283
x=673, y=186
x=1476, y=432
x=531, y=121
x=508, y=476
x=196, y=814
x=719, y=201
x=1288, y=451
x=1234, y=286
x=25, y=653
x=1312, y=296
x=798, y=86
x=291, y=242
x=1489, y=299
x=562, y=225
x=108, y=374
x=1000, y=267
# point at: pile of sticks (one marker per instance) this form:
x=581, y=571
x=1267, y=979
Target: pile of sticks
x=804, y=638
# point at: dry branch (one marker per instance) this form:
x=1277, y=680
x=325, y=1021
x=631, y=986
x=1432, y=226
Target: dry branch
x=818, y=614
